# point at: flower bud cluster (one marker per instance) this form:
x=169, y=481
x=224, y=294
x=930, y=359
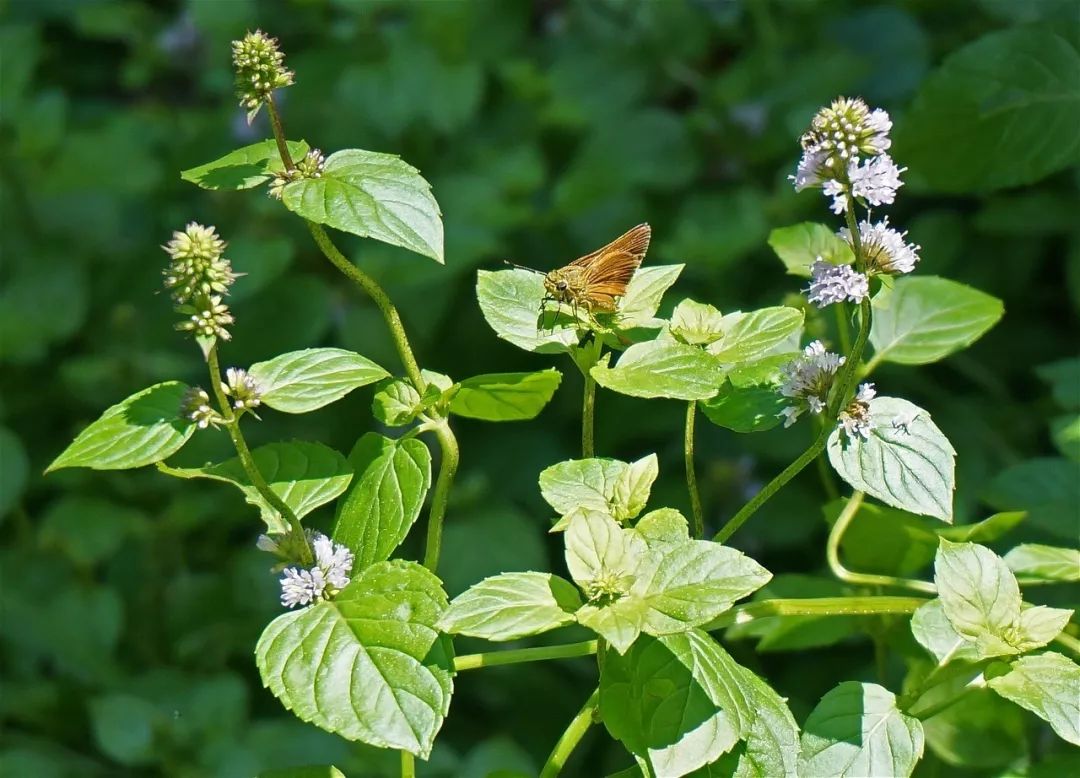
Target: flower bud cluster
x=195, y=406
x=242, y=389
x=260, y=69
x=311, y=166
x=324, y=579
x=198, y=276
x=807, y=380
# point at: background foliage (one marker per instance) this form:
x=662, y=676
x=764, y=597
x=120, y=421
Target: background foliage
x=132, y=602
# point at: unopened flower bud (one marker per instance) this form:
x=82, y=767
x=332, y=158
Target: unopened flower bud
x=195, y=406
x=242, y=388
x=311, y=166
x=197, y=265
x=260, y=69
x=207, y=316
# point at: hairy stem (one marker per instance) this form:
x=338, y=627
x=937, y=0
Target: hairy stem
x=247, y=461
x=279, y=133
x=518, y=655
x=569, y=740
x=441, y=495
x=588, y=414
x=832, y=553
x=691, y=477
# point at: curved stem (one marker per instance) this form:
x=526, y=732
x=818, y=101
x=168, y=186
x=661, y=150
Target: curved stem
x=832, y=553
x=588, y=413
x=440, y=496
x=247, y=461
x=518, y=655
x=408, y=765
x=575, y=730
x=691, y=477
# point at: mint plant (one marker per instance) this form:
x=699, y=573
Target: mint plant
x=365, y=648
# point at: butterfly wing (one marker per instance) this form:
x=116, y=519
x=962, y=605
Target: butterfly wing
x=608, y=270
x=634, y=242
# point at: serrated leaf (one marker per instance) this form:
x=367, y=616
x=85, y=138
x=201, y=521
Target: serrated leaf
x=856, y=730
x=374, y=196
x=1036, y=562
x=397, y=403
x=619, y=622
x=303, y=474
x=663, y=526
x=243, y=168
x=632, y=487
x=697, y=324
x=510, y=301
x=581, y=483
x=990, y=528
x=755, y=334
x=387, y=493
x=512, y=606
x=922, y=319
x=748, y=409
x=978, y=592
x=364, y=665
x=1037, y=626
x=662, y=368
x=505, y=396
x=936, y=634
x=141, y=430
x=646, y=289
x=999, y=112
x=1047, y=686
x=599, y=550
x=302, y=381
x=800, y=245
x=906, y=462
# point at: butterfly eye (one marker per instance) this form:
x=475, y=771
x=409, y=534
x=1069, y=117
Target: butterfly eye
x=562, y=286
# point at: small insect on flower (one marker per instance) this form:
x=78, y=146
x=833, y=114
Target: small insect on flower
x=594, y=282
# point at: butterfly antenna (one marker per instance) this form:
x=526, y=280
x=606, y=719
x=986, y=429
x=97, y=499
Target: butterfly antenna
x=522, y=267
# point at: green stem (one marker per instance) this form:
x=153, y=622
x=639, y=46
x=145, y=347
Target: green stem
x=843, y=330
x=247, y=461
x=1067, y=641
x=408, y=765
x=832, y=553
x=588, y=413
x=691, y=477
x=451, y=455
x=929, y=712
x=518, y=655
x=816, y=606
x=575, y=730
x=279, y=133
x=828, y=483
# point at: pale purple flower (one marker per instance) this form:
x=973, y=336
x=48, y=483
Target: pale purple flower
x=831, y=283
x=885, y=249
x=875, y=180
x=807, y=379
x=328, y=576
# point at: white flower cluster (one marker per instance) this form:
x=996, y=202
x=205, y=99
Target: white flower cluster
x=240, y=385
x=884, y=249
x=831, y=283
x=807, y=380
x=855, y=419
x=328, y=576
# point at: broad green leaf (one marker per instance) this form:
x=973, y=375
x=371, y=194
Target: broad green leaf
x=979, y=729
x=661, y=368
x=748, y=409
x=619, y=622
x=397, y=403
x=633, y=486
x=582, y=483
x=303, y=474
x=601, y=555
x=387, y=492
x=1063, y=378
x=663, y=526
x=367, y=665
x=800, y=245
x=906, y=462
x=123, y=726
x=922, y=319
x=646, y=289
x=374, y=196
x=505, y=396
x=936, y=634
x=697, y=324
x=89, y=530
x=856, y=730
x=512, y=606
x=510, y=301
x=675, y=702
x=1036, y=562
x=1046, y=684
x=1045, y=488
x=985, y=531
x=978, y=593
x=243, y=168
x=755, y=334
x=999, y=112
x=143, y=429
x=684, y=585
x=302, y=381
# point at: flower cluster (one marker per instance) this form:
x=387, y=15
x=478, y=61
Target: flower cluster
x=198, y=276
x=195, y=406
x=311, y=166
x=808, y=379
x=884, y=249
x=855, y=419
x=328, y=576
x=242, y=388
x=831, y=283
x=260, y=69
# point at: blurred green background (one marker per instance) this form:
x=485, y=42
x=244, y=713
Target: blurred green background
x=132, y=602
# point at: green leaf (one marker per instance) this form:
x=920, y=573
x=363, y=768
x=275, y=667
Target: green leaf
x=1063, y=378
x=979, y=594
x=510, y=301
x=599, y=550
x=302, y=381
x=661, y=368
x=392, y=479
x=512, y=606
x=1065, y=432
x=856, y=730
x=1036, y=562
x=931, y=627
x=906, y=462
x=697, y=324
x=979, y=729
x=675, y=702
x=663, y=526
x=750, y=409
x=367, y=665
x=1037, y=626
x=303, y=474
x=985, y=531
x=1045, y=488
x=885, y=540
x=397, y=403
x=633, y=486
x=922, y=319
x=772, y=745
x=123, y=726
x=374, y=196
x=619, y=622
x=753, y=335
x=243, y=168
x=646, y=289
x=582, y=483
x=800, y=245
x=1046, y=685
x=143, y=429
x=505, y=396
x=1000, y=112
